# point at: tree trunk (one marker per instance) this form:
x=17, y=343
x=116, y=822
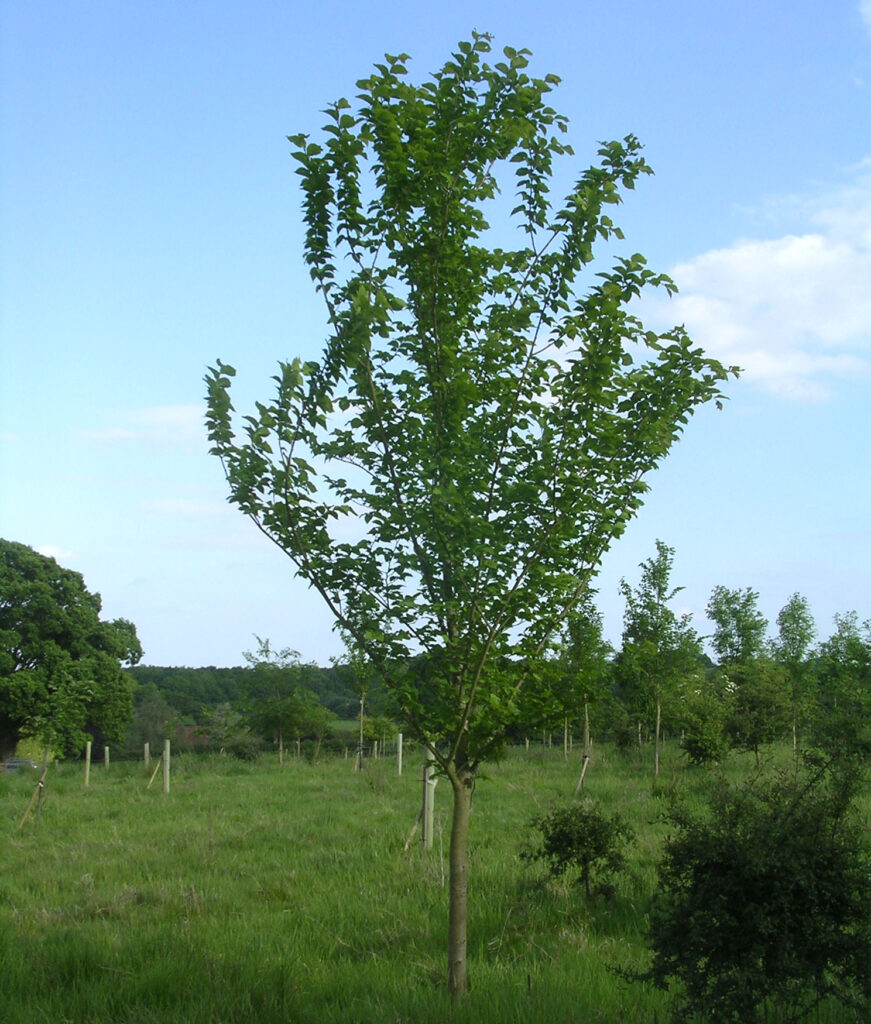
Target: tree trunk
x=566, y=738
x=586, y=728
x=656, y=741
x=461, y=781
x=360, y=743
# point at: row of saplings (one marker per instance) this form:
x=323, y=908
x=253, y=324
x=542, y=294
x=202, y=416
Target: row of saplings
x=762, y=911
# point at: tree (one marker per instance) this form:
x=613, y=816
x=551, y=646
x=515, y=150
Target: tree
x=272, y=699
x=60, y=664
x=227, y=729
x=660, y=648
x=450, y=473
x=154, y=720
x=585, y=664
x=759, y=688
x=760, y=703
x=842, y=719
x=739, y=634
x=796, y=630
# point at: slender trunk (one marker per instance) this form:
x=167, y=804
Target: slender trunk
x=360, y=745
x=280, y=747
x=566, y=738
x=656, y=741
x=461, y=781
x=586, y=727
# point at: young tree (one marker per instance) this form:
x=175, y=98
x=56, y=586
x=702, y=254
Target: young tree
x=795, y=634
x=842, y=720
x=272, y=699
x=759, y=687
x=739, y=633
x=60, y=664
x=450, y=473
x=586, y=667
x=660, y=648
x=154, y=720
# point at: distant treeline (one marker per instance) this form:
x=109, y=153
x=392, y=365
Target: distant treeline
x=194, y=692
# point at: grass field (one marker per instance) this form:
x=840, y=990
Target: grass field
x=257, y=893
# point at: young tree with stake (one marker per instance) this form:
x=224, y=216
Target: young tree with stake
x=448, y=476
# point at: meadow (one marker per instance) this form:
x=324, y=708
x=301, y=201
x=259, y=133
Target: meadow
x=260, y=893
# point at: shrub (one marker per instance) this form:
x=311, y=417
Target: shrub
x=765, y=901
x=704, y=715
x=581, y=836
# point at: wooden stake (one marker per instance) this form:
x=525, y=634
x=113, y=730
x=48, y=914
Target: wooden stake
x=580, y=784
x=87, y=764
x=39, y=792
x=166, y=766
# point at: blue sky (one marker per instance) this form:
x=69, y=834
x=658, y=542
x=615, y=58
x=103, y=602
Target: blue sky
x=149, y=224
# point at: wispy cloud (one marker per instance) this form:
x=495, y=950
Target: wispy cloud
x=60, y=555
x=793, y=311
x=865, y=11
x=163, y=425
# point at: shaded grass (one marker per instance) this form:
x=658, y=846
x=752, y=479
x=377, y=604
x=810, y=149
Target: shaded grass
x=261, y=893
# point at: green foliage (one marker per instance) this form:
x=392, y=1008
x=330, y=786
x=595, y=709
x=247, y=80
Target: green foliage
x=581, y=837
x=739, y=633
x=153, y=722
x=477, y=432
x=60, y=664
x=580, y=676
x=660, y=649
x=761, y=709
x=228, y=732
x=705, y=712
x=764, y=902
x=276, y=703
x=841, y=722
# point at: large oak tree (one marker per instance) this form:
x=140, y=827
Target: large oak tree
x=60, y=663
x=477, y=432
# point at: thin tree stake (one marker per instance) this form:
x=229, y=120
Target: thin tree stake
x=580, y=784
x=38, y=792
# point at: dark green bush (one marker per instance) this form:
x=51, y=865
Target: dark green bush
x=581, y=837
x=764, y=902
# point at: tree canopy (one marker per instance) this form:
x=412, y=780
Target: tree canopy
x=60, y=664
x=449, y=475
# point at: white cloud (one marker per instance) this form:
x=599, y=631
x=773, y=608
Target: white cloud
x=164, y=425
x=60, y=555
x=793, y=311
x=865, y=11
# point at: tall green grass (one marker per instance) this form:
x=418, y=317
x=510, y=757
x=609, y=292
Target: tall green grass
x=263, y=893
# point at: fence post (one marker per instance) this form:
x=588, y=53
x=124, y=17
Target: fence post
x=106, y=756
x=166, y=766
x=399, y=753
x=146, y=754
x=87, y=764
